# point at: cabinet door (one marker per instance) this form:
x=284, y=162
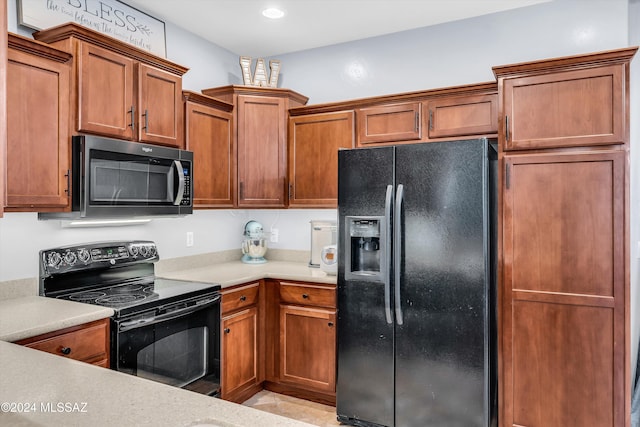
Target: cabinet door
x=461, y=116
x=239, y=351
x=564, y=109
x=308, y=347
x=314, y=142
x=208, y=133
x=37, y=133
x=563, y=314
x=105, y=93
x=261, y=151
x=399, y=122
x=159, y=106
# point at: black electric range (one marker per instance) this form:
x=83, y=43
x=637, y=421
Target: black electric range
x=162, y=329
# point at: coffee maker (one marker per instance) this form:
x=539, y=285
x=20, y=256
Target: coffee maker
x=254, y=245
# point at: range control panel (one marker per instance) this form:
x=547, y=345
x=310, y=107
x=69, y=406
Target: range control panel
x=95, y=255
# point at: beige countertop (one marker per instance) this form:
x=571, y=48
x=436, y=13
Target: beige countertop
x=48, y=390
x=235, y=273
x=34, y=315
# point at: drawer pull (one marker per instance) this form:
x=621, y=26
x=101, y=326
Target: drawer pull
x=305, y=296
x=243, y=298
x=227, y=330
x=65, y=350
x=330, y=324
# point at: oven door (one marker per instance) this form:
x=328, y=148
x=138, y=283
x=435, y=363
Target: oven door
x=179, y=345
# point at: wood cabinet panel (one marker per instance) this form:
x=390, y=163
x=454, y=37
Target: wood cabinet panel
x=105, y=92
x=159, y=106
x=564, y=321
x=564, y=360
x=308, y=294
x=387, y=123
x=460, y=116
x=38, y=81
x=261, y=151
x=567, y=222
x=564, y=109
x=209, y=134
x=3, y=101
x=314, y=142
x=88, y=342
x=308, y=347
x=240, y=297
x=239, y=352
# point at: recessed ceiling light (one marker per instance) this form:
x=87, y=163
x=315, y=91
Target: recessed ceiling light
x=273, y=13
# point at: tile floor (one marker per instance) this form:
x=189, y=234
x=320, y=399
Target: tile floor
x=291, y=407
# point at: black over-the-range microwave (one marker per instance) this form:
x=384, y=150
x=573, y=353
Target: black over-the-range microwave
x=121, y=179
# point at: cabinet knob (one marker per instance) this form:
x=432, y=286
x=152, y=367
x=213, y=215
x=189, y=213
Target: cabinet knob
x=305, y=296
x=243, y=298
x=330, y=324
x=65, y=350
x=227, y=330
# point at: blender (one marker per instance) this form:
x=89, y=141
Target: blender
x=254, y=245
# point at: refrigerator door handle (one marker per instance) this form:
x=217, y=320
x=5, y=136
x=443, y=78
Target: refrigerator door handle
x=387, y=238
x=397, y=250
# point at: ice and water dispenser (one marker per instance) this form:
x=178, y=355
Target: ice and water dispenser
x=365, y=249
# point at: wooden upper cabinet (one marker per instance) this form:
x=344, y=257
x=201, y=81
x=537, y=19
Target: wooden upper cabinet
x=159, y=106
x=105, y=93
x=461, y=116
x=261, y=151
x=260, y=125
x=314, y=141
x=121, y=91
x=38, y=81
x=565, y=106
x=388, y=123
x=209, y=134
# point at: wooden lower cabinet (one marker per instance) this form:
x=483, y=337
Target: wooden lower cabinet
x=308, y=347
x=241, y=355
x=88, y=342
x=564, y=317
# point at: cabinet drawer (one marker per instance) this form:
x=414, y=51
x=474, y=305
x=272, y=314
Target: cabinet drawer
x=90, y=343
x=297, y=293
x=240, y=297
x=398, y=122
x=465, y=115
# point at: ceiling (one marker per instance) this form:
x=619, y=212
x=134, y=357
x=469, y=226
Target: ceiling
x=238, y=25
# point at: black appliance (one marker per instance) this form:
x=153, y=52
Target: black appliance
x=164, y=330
x=115, y=179
x=417, y=285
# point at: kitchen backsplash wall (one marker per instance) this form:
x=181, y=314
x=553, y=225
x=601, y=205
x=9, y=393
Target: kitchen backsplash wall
x=22, y=235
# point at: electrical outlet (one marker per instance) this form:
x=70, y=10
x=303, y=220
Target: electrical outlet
x=274, y=235
x=189, y=238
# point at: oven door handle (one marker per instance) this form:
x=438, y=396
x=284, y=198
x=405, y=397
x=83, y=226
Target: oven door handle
x=128, y=325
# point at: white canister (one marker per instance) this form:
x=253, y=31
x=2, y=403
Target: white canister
x=329, y=259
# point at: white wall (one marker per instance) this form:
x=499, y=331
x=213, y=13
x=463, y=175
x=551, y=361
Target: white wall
x=455, y=53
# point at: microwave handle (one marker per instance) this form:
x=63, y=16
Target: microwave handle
x=180, y=192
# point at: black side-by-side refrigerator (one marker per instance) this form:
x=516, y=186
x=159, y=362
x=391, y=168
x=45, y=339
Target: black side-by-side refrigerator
x=417, y=286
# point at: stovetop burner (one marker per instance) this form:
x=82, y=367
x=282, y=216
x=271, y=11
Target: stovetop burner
x=117, y=275
x=115, y=296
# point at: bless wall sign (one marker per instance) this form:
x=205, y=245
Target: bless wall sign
x=109, y=17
